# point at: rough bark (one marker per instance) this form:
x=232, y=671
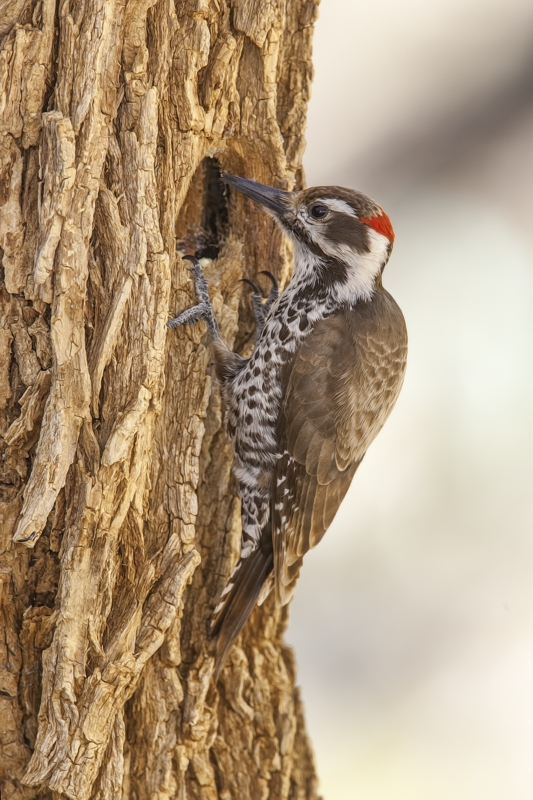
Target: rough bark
x=120, y=522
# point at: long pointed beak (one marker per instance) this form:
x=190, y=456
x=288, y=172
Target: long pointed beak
x=274, y=200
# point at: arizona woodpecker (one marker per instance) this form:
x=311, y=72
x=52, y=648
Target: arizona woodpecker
x=327, y=367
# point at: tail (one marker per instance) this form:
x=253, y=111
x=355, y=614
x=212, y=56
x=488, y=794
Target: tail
x=239, y=598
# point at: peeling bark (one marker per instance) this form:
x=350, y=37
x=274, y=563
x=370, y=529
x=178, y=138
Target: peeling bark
x=119, y=516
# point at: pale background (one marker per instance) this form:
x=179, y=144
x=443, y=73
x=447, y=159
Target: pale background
x=413, y=619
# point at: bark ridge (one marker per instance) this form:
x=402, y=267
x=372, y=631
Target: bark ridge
x=119, y=520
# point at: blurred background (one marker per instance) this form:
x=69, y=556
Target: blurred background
x=413, y=619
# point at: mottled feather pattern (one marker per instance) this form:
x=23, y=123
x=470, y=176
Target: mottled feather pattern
x=326, y=370
x=340, y=374
x=252, y=399
x=341, y=386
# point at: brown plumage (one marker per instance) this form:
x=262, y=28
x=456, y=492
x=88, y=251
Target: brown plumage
x=326, y=370
x=340, y=388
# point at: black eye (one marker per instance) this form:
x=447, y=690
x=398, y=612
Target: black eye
x=318, y=210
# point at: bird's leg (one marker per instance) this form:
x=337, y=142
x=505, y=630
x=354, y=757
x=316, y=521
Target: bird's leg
x=227, y=363
x=204, y=309
x=273, y=294
x=261, y=308
x=257, y=306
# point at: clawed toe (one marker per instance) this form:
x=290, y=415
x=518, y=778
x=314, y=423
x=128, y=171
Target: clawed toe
x=204, y=309
x=189, y=316
x=200, y=283
x=272, y=279
x=257, y=304
x=251, y=283
x=261, y=308
x=274, y=292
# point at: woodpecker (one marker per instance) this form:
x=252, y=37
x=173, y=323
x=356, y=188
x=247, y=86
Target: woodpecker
x=326, y=370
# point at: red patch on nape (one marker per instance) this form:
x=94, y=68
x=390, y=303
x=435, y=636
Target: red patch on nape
x=380, y=223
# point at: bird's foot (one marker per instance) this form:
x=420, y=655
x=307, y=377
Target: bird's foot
x=274, y=291
x=261, y=308
x=204, y=309
x=257, y=305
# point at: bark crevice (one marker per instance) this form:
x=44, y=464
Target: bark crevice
x=119, y=516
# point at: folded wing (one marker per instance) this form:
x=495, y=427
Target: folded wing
x=341, y=387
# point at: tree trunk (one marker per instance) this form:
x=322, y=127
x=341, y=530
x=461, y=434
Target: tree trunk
x=120, y=521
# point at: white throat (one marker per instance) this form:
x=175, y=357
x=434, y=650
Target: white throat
x=363, y=268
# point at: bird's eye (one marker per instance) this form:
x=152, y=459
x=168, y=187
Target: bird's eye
x=318, y=210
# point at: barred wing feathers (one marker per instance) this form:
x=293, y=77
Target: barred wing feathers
x=341, y=387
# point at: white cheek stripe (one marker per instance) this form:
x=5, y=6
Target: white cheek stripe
x=340, y=205
x=363, y=267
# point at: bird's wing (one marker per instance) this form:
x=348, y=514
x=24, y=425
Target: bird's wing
x=340, y=388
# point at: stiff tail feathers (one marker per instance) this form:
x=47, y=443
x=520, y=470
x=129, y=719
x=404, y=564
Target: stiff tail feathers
x=241, y=596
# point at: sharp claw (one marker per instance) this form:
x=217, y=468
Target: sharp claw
x=254, y=286
x=272, y=278
x=204, y=309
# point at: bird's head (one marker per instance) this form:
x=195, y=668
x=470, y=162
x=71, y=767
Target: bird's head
x=339, y=234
